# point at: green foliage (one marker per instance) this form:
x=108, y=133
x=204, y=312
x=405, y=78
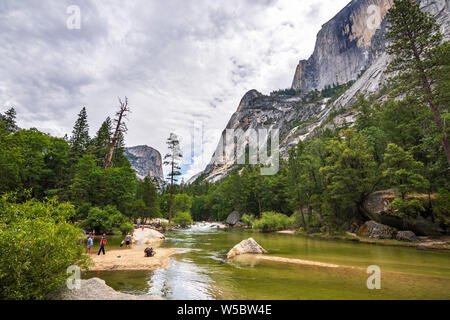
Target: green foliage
x=272, y=221
x=147, y=194
x=106, y=220
x=441, y=206
x=421, y=61
x=182, y=203
x=403, y=171
x=80, y=139
x=183, y=219
x=248, y=219
x=37, y=243
x=409, y=207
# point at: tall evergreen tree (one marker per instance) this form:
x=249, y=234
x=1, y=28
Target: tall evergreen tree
x=8, y=121
x=172, y=159
x=80, y=134
x=421, y=61
x=102, y=141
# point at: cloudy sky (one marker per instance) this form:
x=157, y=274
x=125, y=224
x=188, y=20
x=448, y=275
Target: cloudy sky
x=183, y=64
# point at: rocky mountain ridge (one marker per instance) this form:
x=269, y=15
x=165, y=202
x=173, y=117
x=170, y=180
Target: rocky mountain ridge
x=347, y=52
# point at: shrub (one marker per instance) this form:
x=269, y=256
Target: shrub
x=37, y=243
x=248, y=220
x=272, y=221
x=408, y=207
x=106, y=220
x=183, y=219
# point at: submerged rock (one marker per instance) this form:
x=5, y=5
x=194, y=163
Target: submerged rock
x=375, y=230
x=146, y=236
x=246, y=246
x=96, y=289
x=406, y=236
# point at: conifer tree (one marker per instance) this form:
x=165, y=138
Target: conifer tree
x=80, y=134
x=172, y=159
x=421, y=61
x=102, y=142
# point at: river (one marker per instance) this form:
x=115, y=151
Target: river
x=199, y=270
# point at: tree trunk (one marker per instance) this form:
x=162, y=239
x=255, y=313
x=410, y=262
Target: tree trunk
x=171, y=194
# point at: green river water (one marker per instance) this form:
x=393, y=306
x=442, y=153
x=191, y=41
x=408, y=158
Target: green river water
x=199, y=270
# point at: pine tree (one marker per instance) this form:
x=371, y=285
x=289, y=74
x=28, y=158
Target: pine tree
x=172, y=159
x=121, y=128
x=8, y=121
x=421, y=61
x=102, y=141
x=80, y=140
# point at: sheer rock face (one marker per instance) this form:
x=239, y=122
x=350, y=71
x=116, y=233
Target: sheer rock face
x=146, y=161
x=345, y=46
x=351, y=42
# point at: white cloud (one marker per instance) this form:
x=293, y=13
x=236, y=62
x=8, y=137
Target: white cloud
x=177, y=61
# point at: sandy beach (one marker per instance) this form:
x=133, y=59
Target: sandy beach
x=131, y=259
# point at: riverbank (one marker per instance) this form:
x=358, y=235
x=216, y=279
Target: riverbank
x=132, y=259
x=425, y=243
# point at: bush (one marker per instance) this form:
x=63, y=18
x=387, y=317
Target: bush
x=412, y=207
x=272, y=221
x=37, y=243
x=248, y=220
x=107, y=220
x=183, y=219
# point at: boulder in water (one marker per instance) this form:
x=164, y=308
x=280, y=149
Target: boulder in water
x=234, y=218
x=246, y=246
x=146, y=236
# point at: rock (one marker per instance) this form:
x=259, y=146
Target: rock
x=240, y=224
x=96, y=289
x=147, y=236
x=234, y=218
x=377, y=208
x=246, y=246
x=146, y=161
x=375, y=230
x=406, y=236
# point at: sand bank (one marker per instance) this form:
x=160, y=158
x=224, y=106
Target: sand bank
x=131, y=259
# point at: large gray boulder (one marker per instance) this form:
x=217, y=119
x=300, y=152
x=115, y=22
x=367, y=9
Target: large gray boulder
x=246, y=246
x=147, y=236
x=234, y=218
x=375, y=230
x=406, y=236
x=97, y=289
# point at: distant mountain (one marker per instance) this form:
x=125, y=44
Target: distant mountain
x=146, y=161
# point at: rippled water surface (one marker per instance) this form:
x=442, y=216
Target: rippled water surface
x=199, y=270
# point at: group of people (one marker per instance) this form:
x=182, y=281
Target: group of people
x=90, y=243
x=126, y=241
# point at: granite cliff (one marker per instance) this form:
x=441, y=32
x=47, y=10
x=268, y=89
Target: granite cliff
x=350, y=54
x=146, y=161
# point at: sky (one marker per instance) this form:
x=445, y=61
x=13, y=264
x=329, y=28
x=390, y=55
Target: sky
x=183, y=64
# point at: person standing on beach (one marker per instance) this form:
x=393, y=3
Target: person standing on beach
x=128, y=240
x=102, y=244
x=90, y=242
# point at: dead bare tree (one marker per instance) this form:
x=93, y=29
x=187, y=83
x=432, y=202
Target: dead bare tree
x=120, y=128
